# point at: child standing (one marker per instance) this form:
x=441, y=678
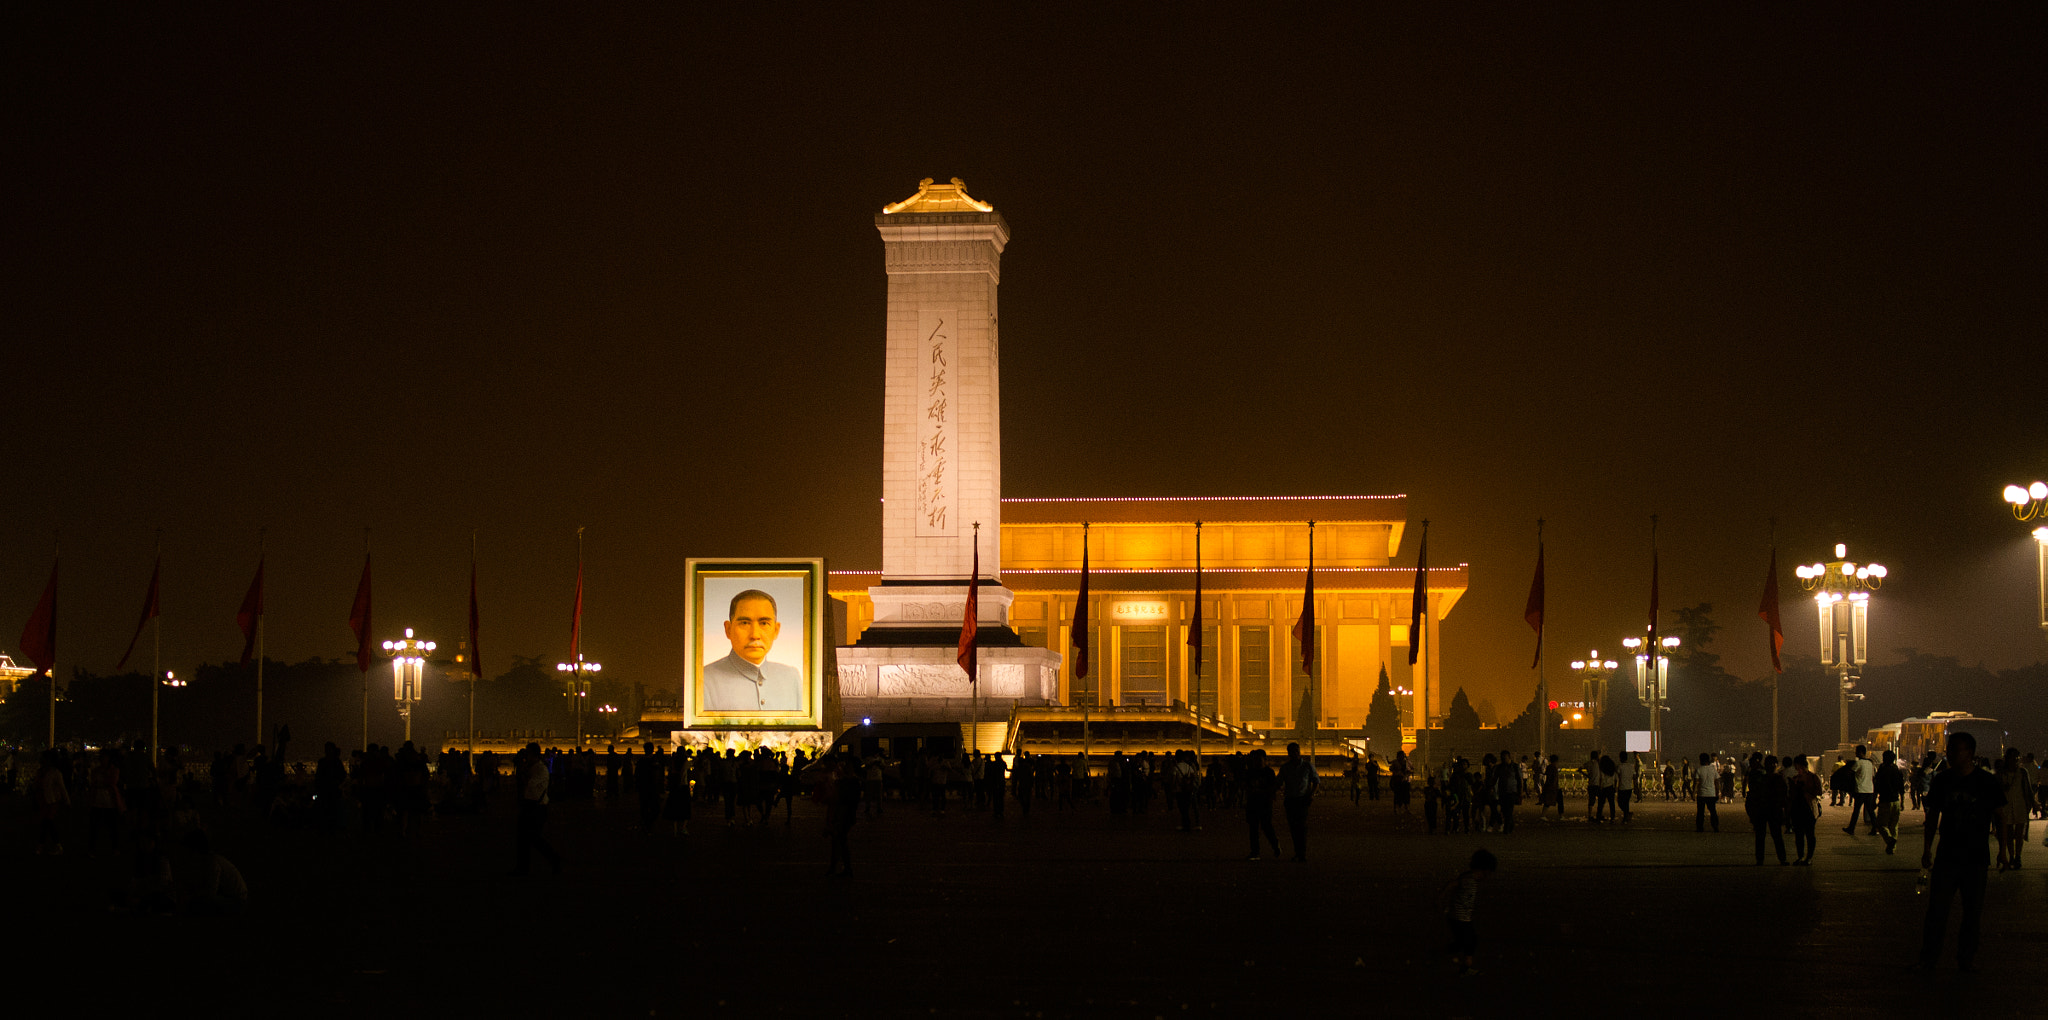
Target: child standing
x=1431, y=793
x=1461, y=896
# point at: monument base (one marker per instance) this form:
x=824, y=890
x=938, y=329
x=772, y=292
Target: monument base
x=925, y=684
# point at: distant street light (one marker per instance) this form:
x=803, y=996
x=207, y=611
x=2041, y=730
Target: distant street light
x=1842, y=594
x=611, y=713
x=408, y=668
x=1408, y=713
x=171, y=680
x=2027, y=504
x=577, y=682
x=1593, y=672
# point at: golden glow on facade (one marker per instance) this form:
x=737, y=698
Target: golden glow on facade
x=1141, y=581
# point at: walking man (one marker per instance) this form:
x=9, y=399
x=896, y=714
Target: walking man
x=1764, y=792
x=1962, y=803
x=1259, y=785
x=1862, y=791
x=1706, y=792
x=1625, y=772
x=1298, y=783
x=1890, y=784
x=533, y=811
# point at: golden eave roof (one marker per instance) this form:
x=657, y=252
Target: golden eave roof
x=1216, y=509
x=939, y=198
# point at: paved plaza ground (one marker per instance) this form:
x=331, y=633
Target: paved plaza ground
x=1075, y=914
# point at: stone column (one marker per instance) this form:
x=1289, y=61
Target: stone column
x=941, y=419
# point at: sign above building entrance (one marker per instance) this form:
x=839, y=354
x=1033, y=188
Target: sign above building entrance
x=1146, y=611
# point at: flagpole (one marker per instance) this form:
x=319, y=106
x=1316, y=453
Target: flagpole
x=1315, y=721
x=973, y=679
x=1542, y=688
x=474, y=662
x=57, y=543
x=365, y=672
x=1656, y=677
x=1086, y=780
x=1774, y=672
x=576, y=653
x=1197, y=635
x=259, y=645
x=156, y=659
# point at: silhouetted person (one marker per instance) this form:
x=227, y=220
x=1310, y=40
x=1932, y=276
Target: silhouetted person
x=992, y=781
x=1298, y=783
x=1259, y=787
x=1461, y=898
x=647, y=786
x=104, y=793
x=328, y=776
x=1763, y=800
x=1802, y=809
x=532, y=775
x=1890, y=787
x=841, y=793
x=1962, y=805
x=1862, y=783
x=1706, y=793
x=1024, y=776
x=210, y=883
x=52, y=798
x=677, y=810
x=151, y=887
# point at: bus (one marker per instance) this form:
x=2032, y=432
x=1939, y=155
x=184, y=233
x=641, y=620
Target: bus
x=1930, y=733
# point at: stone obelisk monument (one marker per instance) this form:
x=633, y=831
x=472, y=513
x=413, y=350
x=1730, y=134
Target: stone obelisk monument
x=941, y=474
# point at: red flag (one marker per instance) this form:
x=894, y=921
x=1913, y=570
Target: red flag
x=1418, y=607
x=476, y=654
x=251, y=611
x=1533, y=612
x=1768, y=609
x=39, y=638
x=359, y=619
x=576, y=617
x=149, y=612
x=1305, y=625
x=1079, y=637
x=970, y=623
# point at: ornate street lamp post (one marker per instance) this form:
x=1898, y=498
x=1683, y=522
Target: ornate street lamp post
x=576, y=679
x=408, y=670
x=1653, y=683
x=1593, y=672
x=1842, y=595
x=2029, y=503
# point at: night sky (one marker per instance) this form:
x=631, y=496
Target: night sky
x=519, y=269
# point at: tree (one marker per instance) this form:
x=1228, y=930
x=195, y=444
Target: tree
x=1696, y=630
x=1461, y=715
x=1522, y=731
x=1383, y=716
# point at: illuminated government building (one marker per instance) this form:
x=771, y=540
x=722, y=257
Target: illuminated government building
x=942, y=475
x=1254, y=561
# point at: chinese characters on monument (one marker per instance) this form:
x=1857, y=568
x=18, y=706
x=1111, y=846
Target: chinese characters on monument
x=935, y=474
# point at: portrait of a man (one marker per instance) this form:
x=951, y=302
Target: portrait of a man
x=745, y=680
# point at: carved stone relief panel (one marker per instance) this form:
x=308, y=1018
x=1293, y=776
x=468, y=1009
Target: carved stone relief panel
x=923, y=682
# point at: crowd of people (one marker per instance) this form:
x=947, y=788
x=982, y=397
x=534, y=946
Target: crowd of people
x=152, y=812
